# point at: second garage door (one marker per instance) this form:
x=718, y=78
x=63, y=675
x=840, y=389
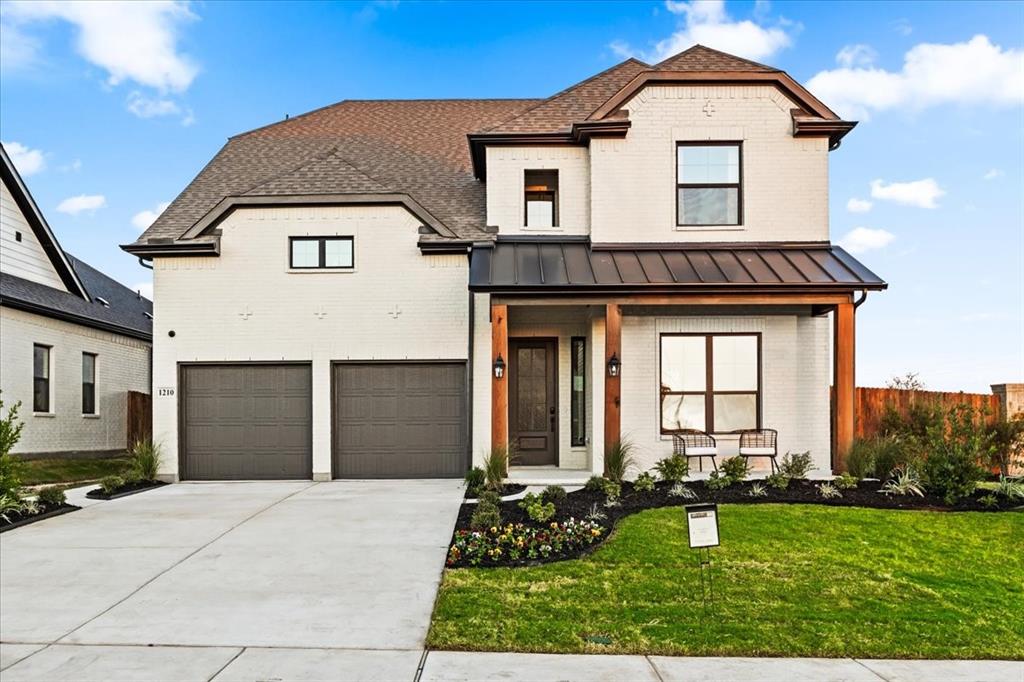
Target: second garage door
x=246, y=422
x=399, y=420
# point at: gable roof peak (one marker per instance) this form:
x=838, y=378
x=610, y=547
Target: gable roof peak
x=702, y=58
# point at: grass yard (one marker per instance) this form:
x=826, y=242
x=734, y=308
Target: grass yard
x=40, y=471
x=790, y=580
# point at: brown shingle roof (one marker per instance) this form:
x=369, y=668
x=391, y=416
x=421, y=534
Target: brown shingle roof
x=560, y=111
x=416, y=147
x=700, y=58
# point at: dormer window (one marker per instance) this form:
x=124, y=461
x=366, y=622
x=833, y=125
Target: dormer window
x=541, y=198
x=708, y=184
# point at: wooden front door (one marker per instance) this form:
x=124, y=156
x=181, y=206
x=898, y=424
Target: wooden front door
x=533, y=401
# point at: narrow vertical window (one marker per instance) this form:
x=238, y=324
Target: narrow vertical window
x=40, y=378
x=88, y=383
x=578, y=402
x=541, y=188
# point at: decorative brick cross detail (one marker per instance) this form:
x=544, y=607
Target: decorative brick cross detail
x=395, y=312
x=320, y=313
x=245, y=314
x=709, y=108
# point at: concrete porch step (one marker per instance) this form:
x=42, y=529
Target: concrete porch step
x=548, y=476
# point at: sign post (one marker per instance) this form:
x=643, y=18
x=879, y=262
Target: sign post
x=702, y=528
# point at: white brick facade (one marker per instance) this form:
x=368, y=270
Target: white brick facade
x=122, y=365
x=396, y=304
x=506, y=207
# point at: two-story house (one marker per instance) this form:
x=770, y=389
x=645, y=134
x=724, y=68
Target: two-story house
x=73, y=341
x=392, y=288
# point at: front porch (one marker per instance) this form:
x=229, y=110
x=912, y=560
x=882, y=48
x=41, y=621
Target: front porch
x=572, y=370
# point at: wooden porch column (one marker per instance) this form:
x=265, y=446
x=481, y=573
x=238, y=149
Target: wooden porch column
x=843, y=377
x=612, y=385
x=499, y=387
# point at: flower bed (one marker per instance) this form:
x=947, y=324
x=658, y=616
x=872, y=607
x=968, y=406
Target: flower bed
x=127, y=488
x=38, y=512
x=518, y=543
x=590, y=505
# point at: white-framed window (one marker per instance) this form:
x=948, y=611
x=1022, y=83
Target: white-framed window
x=321, y=253
x=710, y=382
x=41, y=370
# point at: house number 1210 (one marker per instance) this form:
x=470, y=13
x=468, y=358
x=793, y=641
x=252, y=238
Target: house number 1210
x=165, y=391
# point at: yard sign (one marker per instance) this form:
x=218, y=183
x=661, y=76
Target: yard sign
x=702, y=524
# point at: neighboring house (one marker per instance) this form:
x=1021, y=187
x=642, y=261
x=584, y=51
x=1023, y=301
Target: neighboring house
x=391, y=288
x=73, y=342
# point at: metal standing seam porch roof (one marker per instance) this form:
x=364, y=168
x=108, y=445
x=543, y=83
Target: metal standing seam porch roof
x=576, y=266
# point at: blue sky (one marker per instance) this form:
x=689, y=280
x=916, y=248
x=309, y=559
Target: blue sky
x=110, y=110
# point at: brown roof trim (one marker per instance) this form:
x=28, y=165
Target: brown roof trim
x=229, y=204
x=805, y=125
x=448, y=246
x=478, y=143
x=40, y=228
x=584, y=130
x=780, y=78
x=174, y=249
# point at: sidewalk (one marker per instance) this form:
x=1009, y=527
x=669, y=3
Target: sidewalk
x=230, y=664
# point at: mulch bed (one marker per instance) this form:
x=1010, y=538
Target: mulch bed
x=580, y=503
x=125, y=490
x=17, y=520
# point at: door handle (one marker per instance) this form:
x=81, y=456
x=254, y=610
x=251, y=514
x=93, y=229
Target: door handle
x=552, y=412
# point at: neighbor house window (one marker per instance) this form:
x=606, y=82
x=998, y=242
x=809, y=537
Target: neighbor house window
x=88, y=383
x=541, y=198
x=309, y=253
x=708, y=187
x=40, y=378
x=578, y=398
x=710, y=382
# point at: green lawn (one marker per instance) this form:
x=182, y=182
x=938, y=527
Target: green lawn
x=790, y=580
x=39, y=471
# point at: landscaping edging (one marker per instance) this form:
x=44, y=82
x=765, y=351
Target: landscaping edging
x=579, y=505
x=98, y=494
x=25, y=521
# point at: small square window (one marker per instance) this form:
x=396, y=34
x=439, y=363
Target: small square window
x=541, y=196
x=321, y=253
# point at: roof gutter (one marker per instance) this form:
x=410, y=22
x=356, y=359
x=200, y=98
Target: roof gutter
x=172, y=248
x=43, y=311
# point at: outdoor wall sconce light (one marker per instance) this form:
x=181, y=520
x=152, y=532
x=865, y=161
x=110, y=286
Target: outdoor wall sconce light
x=614, y=365
x=499, y=367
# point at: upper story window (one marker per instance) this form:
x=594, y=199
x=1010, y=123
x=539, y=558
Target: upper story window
x=88, y=383
x=40, y=378
x=708, y=183
x=313, y=253
x=541, y=188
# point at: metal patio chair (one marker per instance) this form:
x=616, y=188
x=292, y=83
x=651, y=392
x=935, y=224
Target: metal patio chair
x=693, y=443
x=760, y=443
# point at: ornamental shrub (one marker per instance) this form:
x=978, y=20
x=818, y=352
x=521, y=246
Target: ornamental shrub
x=485, y=516
x=496, y=467
x=11, y=469
x=796, y=465
x=145, y=460
x=111, y=484
x=735, y=469
x=536, y=508
x=489, y=497
x=595, y=484
x=618, y=460
x=553, y=493
x=612, y=490
x=474, y=481
x=845, y=481
x=674, y=468
x=777, y=481
x=954, y=449
x=717, y=481
x=644, y=483
x=52, y=496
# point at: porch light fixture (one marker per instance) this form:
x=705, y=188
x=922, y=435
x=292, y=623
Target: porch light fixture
x=499, y=367
x=614, y=365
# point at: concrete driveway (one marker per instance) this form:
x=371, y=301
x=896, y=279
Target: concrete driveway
x=260, y=580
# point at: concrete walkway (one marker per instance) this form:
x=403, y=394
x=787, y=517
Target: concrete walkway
x=296, y=581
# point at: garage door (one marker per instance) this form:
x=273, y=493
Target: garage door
x=246, y=422
x=399, y=420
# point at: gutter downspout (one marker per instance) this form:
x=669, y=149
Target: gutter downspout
x=469, y=380
x=860, y=301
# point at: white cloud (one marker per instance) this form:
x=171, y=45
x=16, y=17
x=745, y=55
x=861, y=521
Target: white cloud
x=856, y=55
x=856, y=205
x=975, y=72
x=27, y=161
x=83, y=202
x=903, y=27
x=72, y=167
x=131, y=41
x=706, y=22
x=144, y=288
x=993, y=174
x=920, y=193
x=144, y=219
x=146, y=107
x=18, y=51
x=861, y=239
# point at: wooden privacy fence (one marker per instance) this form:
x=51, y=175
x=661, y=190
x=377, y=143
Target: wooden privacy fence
x=871, y=404
x=140, y=417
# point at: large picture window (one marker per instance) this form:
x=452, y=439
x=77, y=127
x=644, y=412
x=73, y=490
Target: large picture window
x=40, y=378
x=708, y=184
x=88, y=383
x=320, y=253
x=710, y=382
